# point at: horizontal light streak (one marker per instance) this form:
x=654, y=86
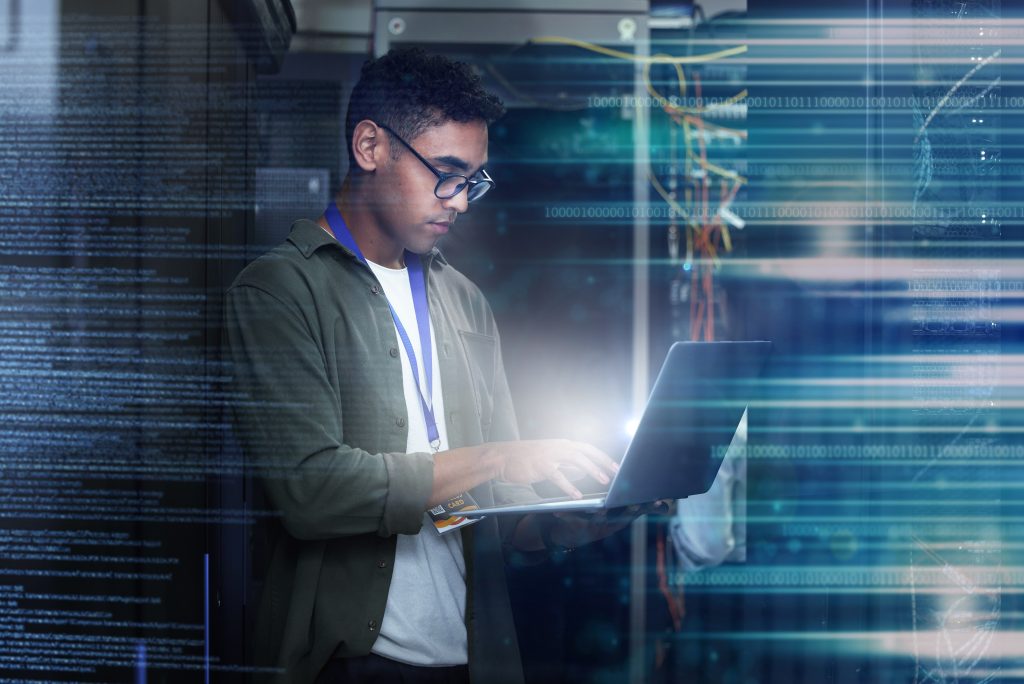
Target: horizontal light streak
x=903, y=462
x=981, y=382
x=828, y=269
x=868, y=506
x=999, y=32
x=820, y=61
x=899, y=39
x=931, y=359
x=846, y=269
x=1002, y=245
x=934, y=647
x=856, y=591
x=942, y=645
x=1013, y=314
x=824, y=403
x=873, y=23
x=987, y=430
x=939, y=295
x=919, y=485
x=801, y=222
x=981, y=575
x=888, y=37
x=922, y=519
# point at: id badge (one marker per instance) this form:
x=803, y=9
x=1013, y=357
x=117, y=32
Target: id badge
x=446, y=516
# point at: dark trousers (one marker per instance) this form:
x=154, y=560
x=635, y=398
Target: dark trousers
x=374, y=669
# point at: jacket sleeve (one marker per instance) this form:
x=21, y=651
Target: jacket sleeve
x=288, y=419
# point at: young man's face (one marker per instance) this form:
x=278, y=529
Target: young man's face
x=411, y=215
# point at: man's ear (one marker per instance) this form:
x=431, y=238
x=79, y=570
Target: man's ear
x=368, y=145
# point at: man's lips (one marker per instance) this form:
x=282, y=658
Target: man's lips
x=440, y=226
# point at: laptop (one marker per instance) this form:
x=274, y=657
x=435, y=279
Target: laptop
x=690, y=420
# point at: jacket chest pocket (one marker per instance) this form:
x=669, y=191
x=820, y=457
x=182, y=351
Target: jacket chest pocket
x=481, y=358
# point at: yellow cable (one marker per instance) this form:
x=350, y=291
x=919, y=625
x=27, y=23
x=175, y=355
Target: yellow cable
x=658, y=97
x=657, y=59
x=667, y=197
x=664, y=102
x=690, y=223
x=680, y=76
x=676, y=62
x=725, y=173
x=706, y=165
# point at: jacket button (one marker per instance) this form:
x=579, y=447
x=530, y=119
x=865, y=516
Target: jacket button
x=400, y=422
x=394, y=352
x=371, y=625
x=374, y=289
x=382, y=564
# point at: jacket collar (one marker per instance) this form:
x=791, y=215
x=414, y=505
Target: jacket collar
x=307, y=237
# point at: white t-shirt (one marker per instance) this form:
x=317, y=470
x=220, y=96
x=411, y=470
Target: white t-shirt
x=424, y=621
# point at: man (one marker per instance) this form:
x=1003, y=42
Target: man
x=371, y=389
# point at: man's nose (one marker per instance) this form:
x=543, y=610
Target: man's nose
x=460, y=202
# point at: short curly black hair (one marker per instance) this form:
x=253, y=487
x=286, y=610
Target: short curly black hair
x=410, y=90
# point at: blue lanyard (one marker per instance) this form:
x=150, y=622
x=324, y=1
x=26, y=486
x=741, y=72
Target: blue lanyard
x=418, y=284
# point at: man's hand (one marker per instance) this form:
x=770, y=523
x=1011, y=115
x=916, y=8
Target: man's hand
x=551, y=459
x=557, y=460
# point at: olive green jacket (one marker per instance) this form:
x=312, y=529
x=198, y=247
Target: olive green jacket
x=320, y=413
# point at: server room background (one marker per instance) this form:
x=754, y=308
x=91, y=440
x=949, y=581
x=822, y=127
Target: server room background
x=839, y=178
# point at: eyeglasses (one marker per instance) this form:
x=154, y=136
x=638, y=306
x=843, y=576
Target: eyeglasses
x=451, y=184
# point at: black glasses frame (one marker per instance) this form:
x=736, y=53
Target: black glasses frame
x=478, y=187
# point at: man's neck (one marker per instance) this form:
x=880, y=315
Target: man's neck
x=364, y=226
